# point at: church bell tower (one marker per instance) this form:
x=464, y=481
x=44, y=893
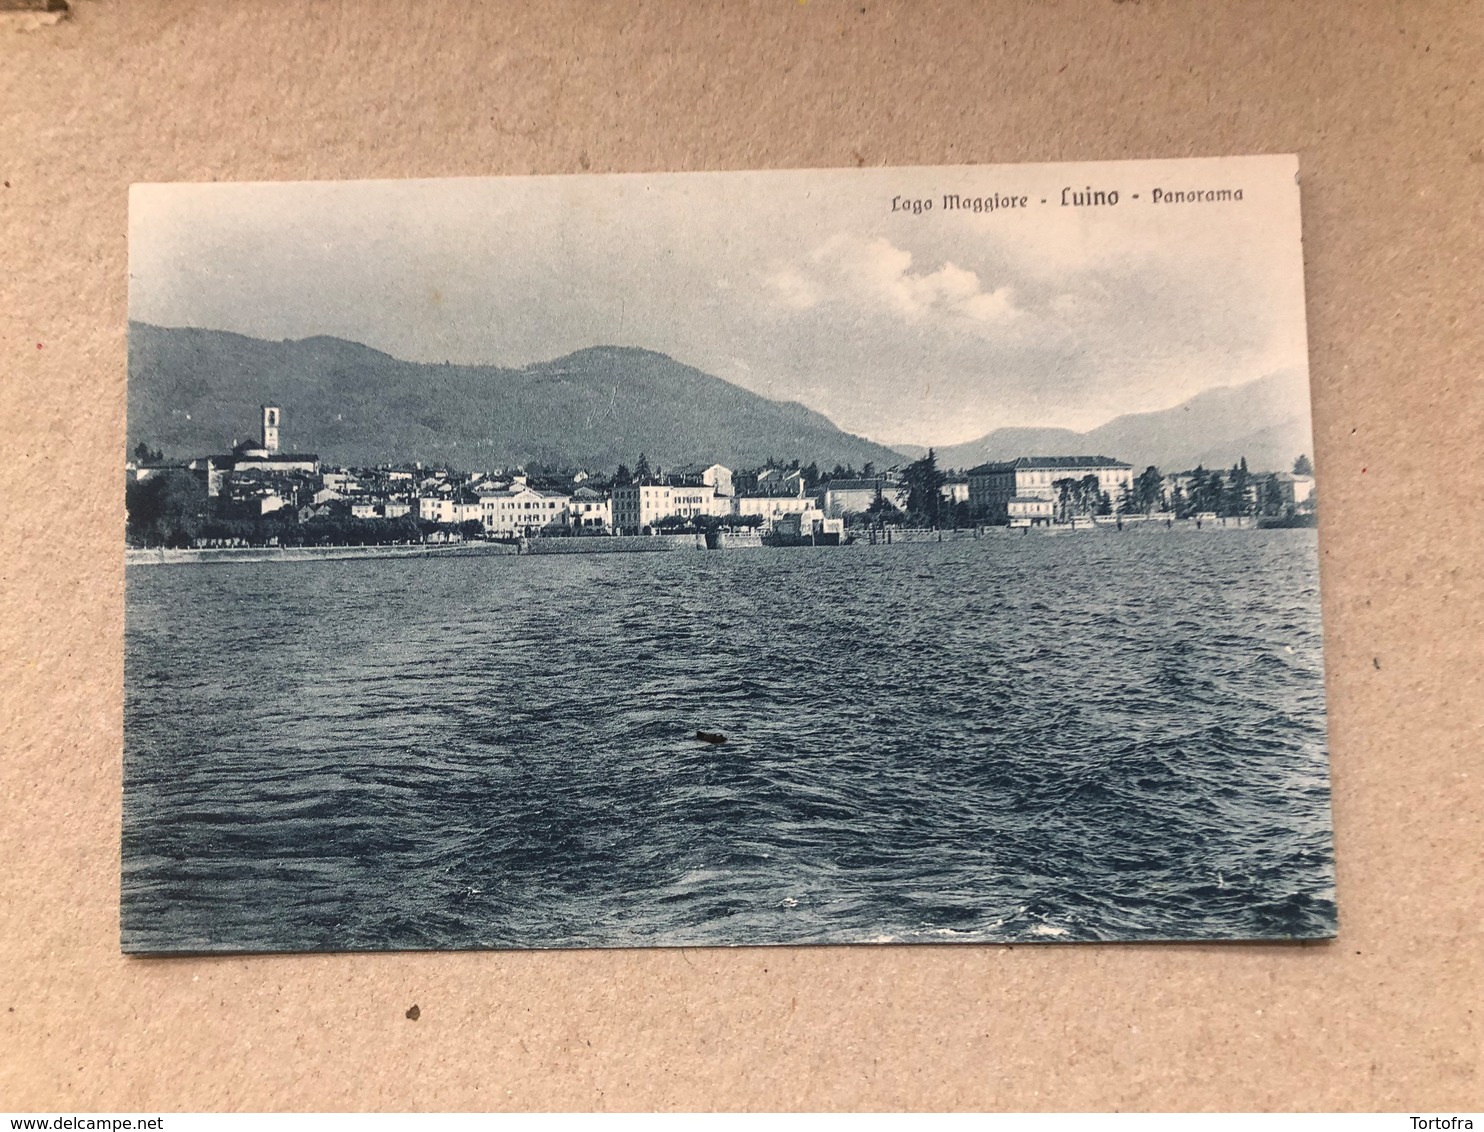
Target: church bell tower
x=270, y=428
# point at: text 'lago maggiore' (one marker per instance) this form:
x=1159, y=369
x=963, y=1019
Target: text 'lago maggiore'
x=1070, y=197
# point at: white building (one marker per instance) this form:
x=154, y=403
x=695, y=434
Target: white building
x=1297, y=490
x=640, y=505
x=992, y=487
x=590, y=510
x=849, y=497
x=1030, y=511
x=955, y=491
x=809, y=526
x=391, y=509
x=715, y=476
x=436, y=508
x=770, y=507
x=443, y=508
x=520, y=510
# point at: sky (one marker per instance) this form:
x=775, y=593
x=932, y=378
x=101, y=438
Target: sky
x=930, y=326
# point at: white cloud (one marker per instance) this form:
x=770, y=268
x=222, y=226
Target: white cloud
x=852, y=269
x=794, y=289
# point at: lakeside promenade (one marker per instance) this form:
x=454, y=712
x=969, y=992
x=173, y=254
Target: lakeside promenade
x=170, y=556
x=659, y=543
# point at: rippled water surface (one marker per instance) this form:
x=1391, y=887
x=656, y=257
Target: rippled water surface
x=1096, y=736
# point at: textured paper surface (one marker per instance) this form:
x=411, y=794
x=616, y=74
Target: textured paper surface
x=1384, y=107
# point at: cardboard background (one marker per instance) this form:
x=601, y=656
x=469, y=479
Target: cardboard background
x=1385, y=105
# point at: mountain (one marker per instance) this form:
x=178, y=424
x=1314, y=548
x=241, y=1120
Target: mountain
x=1266, y=421
x=194, y=392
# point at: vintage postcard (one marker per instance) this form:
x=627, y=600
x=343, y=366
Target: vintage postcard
x=917, y=555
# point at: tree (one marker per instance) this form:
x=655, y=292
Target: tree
x=868, y=470
x=144, y=454
x=1302, y=467
x=924, y=489
x=1178, y=503
x=1066, y=499
x=1205, y=491
x=641, y=469
x=1080, y=498
x=623, y=475
x=1234, y=498
x=1148, y=491
x=167, y=509
x=471, y=529
x=1215, y=487
x=1270, y=500
x=882, y=511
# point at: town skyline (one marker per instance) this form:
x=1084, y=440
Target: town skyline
x=265, y=494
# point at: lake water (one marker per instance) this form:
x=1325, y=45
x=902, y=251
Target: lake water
x=1095, y=736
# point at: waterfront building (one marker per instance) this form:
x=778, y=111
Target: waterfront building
x=852, y=497
x=383, y=508
x=520, y=510
x=1030, y=511
x=590, y=510
x=770, y=507
x=446, y=507
x=640, y=505
x=811, y=526
x=1297, y=491
x=434, y=508
x=992, y=486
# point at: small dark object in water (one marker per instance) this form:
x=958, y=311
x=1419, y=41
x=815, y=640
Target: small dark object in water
x=710, y=737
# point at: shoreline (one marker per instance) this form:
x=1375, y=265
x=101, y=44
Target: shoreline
x=161, y=556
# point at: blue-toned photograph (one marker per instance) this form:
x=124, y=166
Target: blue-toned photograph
x=916, y=556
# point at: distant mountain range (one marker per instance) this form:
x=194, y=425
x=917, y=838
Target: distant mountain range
x=1266, y=421
x=193, y=392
